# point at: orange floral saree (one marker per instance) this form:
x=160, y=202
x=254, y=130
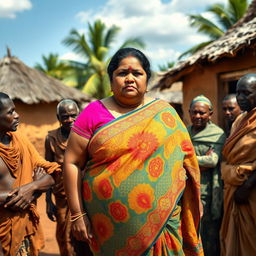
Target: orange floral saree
x=141, y=185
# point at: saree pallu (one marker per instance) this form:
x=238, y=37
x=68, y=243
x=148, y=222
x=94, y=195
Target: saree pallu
x=141, y=185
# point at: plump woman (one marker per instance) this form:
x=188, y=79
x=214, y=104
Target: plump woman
x=139, y=191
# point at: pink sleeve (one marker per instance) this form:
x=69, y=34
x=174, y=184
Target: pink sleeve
x=84, y=122
x=94, y=116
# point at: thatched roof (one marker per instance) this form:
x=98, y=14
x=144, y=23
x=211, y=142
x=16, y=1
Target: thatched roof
x=241, y=35
x=172, y=95
x=32, y=86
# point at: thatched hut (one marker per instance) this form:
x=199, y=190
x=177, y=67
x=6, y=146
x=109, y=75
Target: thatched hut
x=172, y=95
x=214, y=70
x=35, y=96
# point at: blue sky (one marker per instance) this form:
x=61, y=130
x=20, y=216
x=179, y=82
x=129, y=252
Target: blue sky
x=32, y=28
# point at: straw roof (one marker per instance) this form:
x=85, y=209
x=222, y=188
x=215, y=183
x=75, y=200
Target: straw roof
x=32, y=86
x=172, y=95
x=241, y=35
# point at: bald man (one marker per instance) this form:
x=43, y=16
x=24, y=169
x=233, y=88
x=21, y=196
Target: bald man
x=55, y=145
x=231, y=111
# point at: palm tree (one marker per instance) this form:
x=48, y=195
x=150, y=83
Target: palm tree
x=95, y=47
x=165, y=67
x=53, y=66
x=226, y=17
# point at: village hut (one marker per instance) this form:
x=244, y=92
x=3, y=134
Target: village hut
x=35, y=96
x=172, y=95
x=214, y=70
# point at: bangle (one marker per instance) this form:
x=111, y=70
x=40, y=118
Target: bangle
x=77, y=216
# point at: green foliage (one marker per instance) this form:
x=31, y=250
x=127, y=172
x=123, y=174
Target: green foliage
x=226, y=17
x=95, y=47
x=165, y=67
x=53, y=66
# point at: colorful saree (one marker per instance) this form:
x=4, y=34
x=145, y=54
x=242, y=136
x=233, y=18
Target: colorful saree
x=141, y=185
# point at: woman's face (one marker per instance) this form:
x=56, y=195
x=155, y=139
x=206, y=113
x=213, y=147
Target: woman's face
x=200, y=115
x=129, y=80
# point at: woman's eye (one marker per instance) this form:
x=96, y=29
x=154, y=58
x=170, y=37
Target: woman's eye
x=122, y=73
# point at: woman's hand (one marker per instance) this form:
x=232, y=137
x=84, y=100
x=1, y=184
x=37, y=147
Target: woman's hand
x=20, y=198
x=81, y=229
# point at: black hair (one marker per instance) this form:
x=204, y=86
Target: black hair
x=229, y=97
x=3, y=96
x=126, y=52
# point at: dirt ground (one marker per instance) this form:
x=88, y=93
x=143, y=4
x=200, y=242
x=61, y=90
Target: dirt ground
x=51, y=246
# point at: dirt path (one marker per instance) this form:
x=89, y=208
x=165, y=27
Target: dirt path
x=51, y=246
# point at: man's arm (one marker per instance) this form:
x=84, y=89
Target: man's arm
x=23, y=196
x=50, y=206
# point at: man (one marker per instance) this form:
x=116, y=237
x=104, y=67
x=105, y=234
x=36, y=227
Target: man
x=208, y=140
x=238, y=234
x=55, y=145
x=231, y=111
x=20, y=185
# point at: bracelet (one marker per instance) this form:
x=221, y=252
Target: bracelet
x=77, y=216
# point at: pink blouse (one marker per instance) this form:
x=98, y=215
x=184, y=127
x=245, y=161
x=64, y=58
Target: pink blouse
x=92, y=118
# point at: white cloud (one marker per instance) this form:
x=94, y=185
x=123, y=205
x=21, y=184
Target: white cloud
x=9, y=8
x=164, y=27
x=72, y=56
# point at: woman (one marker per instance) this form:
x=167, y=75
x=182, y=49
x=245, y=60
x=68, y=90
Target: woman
x=140, y=190
x=238, y=171
x=208, y=140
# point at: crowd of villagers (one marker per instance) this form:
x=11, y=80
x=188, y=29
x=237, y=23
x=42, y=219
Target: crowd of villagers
x=126, y=177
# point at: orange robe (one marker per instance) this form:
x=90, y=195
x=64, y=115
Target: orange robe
x=21, y=158
x=238, y=231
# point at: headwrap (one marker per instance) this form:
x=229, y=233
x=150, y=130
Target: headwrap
x=203, y=99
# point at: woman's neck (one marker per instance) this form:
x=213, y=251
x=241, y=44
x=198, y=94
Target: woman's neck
x=128, y=106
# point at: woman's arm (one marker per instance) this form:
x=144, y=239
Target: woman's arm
x=74, y=162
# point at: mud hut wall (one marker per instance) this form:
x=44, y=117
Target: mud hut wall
x=36, y=120
x=206, y=81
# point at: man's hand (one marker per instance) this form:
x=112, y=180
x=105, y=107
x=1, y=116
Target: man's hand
x=51, y=209
x=20, y=198
x=242, y=194
x=39, y=172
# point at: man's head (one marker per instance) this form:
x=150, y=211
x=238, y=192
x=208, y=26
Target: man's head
x=230, y=108
x=9, y=118
x=200, y=112
x=67, y=111
x=246, y=92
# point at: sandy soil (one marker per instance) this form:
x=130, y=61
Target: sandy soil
x=51, y=246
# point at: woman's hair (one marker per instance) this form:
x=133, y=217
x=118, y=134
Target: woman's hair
x=126, y=52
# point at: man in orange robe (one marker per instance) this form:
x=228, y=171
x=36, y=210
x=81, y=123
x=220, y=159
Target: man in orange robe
x=20, y=185
x=238, y=231
x=55, y=146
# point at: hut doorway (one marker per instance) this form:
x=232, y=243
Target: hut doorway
x=227, y=85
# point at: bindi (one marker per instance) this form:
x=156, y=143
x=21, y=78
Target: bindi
x=130, y=69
